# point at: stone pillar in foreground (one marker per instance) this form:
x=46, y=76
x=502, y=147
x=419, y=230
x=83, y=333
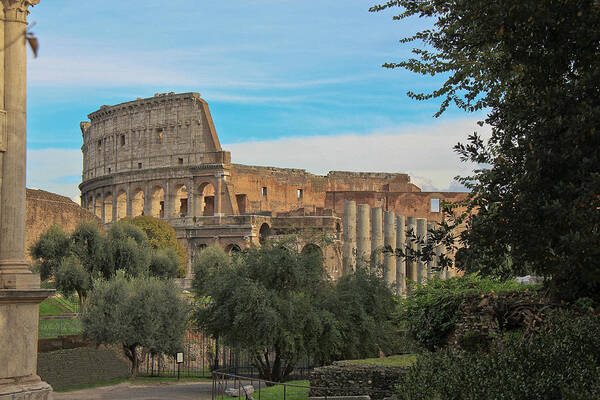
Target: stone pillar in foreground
x=363, y=234
x=376, y=236
x=20, y=292
x=389, y=239
x=349, y=249
x=422, y=236
x=411, y=247
x=401, y=261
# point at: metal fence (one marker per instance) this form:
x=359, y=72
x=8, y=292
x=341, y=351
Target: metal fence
x=200, y=359
x=53, y=326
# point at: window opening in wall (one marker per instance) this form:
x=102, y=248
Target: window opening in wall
x=99, y=144
x=263, y=191
x=122, y=140
x=435, y=205
x=139, y=165
x=299, y=194
x=180, y=161
x=109, y=170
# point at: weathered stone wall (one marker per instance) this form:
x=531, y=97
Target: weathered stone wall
x=345, y=378
x=44, y=209
x=81, y=366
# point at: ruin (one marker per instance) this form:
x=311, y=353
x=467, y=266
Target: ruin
x=161, y=156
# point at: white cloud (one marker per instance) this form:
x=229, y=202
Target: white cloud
x=424, y=152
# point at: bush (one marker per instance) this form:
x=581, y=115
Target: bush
x=429, y=313
x=562, y=361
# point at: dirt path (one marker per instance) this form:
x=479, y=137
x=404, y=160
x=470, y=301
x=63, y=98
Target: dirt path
x=142, y=391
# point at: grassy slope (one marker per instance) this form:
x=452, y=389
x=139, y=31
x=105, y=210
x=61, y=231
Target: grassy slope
x=57, y=306
x=403, y=360
x=276, y=392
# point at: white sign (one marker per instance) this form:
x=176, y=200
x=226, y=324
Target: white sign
x=179, y=358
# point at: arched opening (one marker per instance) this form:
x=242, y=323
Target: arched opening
x=205, y=200
x=121, y=205
x=158, y=202
x=98, y=206
x=312, y=249
x=181, y=201
x=232, y=248
x=264, y=233
x=338, y=231
x=108, y=209
x=90, y=204
x=137, y=203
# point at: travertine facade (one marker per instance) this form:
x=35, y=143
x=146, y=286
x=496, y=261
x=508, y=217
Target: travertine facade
x=161, y=156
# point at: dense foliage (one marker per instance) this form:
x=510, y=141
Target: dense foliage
x=535, y=68
x=278, y=304
x=76, y=260
x=162, y=236
x=139, y=312
x=429, y=312
x=562, y=361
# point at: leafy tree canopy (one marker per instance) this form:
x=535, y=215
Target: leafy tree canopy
x=138, y=313
x=162, y=236
x=279, y=304
x=534, y=67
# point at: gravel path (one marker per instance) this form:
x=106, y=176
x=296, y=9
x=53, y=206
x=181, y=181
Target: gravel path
x=142, y=391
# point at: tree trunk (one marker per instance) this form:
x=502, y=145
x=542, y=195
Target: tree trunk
x=131, y=353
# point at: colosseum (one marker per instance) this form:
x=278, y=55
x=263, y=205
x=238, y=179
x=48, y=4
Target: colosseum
x=161, y=156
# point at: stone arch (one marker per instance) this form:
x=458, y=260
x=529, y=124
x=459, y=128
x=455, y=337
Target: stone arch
x=205, y=199
x=264, y=233
x=158, y=202
x=232, y=248
x=90, y=204
x=121, y=204
x=181, y=199
x=312, y=248
x=98, y=205
x=108, y=208
x=137, y=203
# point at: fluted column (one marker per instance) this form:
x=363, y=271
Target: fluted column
x=363, y=233
x=401, y=261
x=411, y=247
x=376, y=236
x=389, y=261
x=349, y=249
x=422, y=241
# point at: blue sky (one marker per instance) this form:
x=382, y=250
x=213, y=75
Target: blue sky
x=289, y=83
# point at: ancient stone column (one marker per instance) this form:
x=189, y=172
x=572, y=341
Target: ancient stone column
x=20, y=292
x=432, y=264
x=411, y=247
x=219, y=195
x=422, y=236
x=363, y=233
x=389, y=239
x=376, y=236
x=401, y=261
x=147, y=201
x=349, y=249
x=129, y=205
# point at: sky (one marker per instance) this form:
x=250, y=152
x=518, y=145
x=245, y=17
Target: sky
x=290, y=83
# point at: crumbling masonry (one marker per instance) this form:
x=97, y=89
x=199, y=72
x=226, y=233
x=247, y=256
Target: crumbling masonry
x=161, y=156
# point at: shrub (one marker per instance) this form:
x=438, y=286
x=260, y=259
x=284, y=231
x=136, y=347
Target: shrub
x=429, y=313
x=562, y=361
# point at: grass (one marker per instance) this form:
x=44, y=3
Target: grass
x=276, y=392
x=57, y=306
x=402, y=360
x=139, y=379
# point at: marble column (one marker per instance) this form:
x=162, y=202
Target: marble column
x=411, y=247
x=363, y=233
x=389, y=240
x=20, y=292
x=401, y=261
x=376, y=236
x=422, y=241
x=349, y=249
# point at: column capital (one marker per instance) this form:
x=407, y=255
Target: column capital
x=17, y=10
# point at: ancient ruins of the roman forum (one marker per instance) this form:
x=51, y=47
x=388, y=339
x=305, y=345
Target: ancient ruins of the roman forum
x=161, y=156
